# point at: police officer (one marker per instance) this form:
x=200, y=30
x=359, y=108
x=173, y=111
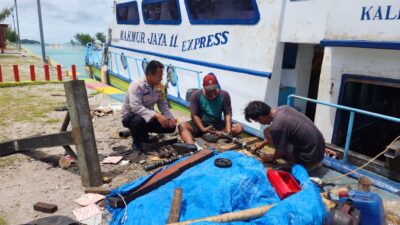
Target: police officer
x=138, y=110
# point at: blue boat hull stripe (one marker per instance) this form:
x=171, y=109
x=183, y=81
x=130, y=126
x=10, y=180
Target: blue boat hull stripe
x=201, y=63
x=391, y=45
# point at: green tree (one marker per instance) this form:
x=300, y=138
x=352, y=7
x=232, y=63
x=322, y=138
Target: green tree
x=72, y=42
x=101, y=37
x=11, y=35
x=83, y=39
x=5, y=13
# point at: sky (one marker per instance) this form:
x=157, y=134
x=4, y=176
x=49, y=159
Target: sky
x=62, y=19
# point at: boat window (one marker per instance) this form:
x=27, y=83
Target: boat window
x=222, y=11
x=127, y=13
x=161, y=12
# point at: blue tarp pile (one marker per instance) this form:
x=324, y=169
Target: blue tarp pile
x=209, y=190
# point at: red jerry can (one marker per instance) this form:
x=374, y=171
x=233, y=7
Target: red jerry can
x=283, y=183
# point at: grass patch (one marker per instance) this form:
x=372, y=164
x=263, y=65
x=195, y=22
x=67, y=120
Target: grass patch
x=21, y=105
x=26, y=83
x=3, y=221
x=52, y=120
x=7, y=161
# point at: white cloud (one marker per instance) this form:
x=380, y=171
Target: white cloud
x=62, y=19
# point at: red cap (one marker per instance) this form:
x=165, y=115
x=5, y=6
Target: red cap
x=343, y=194
x=210, y=82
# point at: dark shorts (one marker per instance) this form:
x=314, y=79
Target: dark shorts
x=315, y=155
x=197, y=132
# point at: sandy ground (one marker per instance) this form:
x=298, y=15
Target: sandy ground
x=26, y=179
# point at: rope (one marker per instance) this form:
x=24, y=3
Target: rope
x=366, y=164
x=125, y=216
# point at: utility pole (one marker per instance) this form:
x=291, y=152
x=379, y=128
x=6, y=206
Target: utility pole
x=19, y=34
x=41, y=32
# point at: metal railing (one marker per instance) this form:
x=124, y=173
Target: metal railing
x=352, y=111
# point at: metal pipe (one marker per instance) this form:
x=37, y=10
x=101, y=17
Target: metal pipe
x=377, y=181
x=348, y=136
x=19, y=34
x=41, y=32
x=390, y=118
x=124, y=133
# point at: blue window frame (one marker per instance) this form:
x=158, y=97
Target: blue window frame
x=127, y=13
x=222, y=11
x=161, y=12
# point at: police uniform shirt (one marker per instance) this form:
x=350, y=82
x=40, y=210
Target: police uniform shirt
x=141, y=98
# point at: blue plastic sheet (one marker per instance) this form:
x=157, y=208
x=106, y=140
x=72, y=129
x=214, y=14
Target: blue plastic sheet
x=209, y=190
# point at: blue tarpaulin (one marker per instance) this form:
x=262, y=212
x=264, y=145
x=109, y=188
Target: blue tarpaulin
x=209, y=191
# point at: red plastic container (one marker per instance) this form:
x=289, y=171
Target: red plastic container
x=283, y=182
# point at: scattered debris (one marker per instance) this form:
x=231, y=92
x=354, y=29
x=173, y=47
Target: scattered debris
x=102, y=111
x=112, y=160
x=87, y=212
x=106, y=179
x=89, y=198
x=124, y=162
x=65, y=162
x=45, y=207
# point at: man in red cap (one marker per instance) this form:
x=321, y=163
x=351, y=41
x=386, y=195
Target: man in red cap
x=206, y=108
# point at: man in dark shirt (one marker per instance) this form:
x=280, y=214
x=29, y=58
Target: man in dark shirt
x=294, y=136
x=206, y=108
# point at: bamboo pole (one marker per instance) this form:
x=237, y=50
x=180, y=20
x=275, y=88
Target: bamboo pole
x=232, y=216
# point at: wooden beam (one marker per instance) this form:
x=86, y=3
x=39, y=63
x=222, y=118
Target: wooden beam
x=233, y=146
x=83, y=133
x=175, y=210
x=29, y=143
x=161, y=178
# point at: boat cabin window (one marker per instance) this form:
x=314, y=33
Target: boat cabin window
x=161, y=12
x=127, y=13
x=222, y=11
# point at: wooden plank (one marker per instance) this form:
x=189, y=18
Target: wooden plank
x=161, y=178
x=83, y=133
x=175, y=210
x=98, y=190
x=65, y=123
x=29, y=143
x=232, y=146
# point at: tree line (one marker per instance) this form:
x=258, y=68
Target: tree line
x=83, y=39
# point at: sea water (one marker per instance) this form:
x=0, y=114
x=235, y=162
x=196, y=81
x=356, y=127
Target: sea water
x=65, y=54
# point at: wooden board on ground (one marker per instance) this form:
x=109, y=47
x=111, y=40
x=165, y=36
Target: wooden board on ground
x=233, y=146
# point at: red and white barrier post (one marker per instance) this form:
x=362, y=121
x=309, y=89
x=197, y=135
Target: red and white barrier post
x=16, y=73
x=59, y=72
x=73, y=72
x=32, y=70
x=46, y=72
